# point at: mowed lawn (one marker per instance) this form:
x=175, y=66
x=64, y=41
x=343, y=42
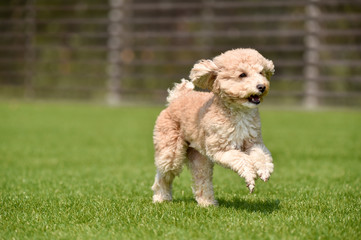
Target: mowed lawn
x=77, y=171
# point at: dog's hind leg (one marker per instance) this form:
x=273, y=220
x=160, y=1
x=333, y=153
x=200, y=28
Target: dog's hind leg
x=170, y=155
x=166, y=172
x=202, y=172
x=162, y=187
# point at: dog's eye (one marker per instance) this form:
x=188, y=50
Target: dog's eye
x=243, y=75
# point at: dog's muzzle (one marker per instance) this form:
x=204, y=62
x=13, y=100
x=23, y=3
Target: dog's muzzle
x=254, y=99
x=261, y=88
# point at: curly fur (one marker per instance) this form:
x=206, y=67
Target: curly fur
x=221, y=126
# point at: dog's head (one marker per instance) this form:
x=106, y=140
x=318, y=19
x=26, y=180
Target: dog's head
x=240, y=77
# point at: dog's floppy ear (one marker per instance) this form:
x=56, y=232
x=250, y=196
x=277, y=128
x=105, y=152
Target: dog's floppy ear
x=270, y=69
x=203, y=74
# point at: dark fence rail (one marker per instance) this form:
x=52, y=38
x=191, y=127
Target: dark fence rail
x=136, y=49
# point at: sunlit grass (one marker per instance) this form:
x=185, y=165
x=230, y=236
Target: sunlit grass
x=82, y=172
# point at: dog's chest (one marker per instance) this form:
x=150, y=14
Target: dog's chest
x=245, y=131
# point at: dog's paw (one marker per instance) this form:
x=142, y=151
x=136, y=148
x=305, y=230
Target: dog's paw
x=207, y=202
x=265, y=171
x=250, y=187
x=159, y=198
x=250, y=177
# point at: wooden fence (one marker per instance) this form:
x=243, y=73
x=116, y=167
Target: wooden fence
x=135, y=49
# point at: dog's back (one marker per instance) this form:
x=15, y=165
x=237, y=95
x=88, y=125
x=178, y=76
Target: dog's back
x=185, y=104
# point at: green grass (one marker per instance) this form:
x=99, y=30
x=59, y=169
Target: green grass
x=84, y=172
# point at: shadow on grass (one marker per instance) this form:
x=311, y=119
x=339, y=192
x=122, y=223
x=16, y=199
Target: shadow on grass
x=263, y=206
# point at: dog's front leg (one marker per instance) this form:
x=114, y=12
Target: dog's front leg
x=238, y=162
x=262, y=160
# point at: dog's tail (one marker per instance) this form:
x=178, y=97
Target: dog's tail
x=179, y=89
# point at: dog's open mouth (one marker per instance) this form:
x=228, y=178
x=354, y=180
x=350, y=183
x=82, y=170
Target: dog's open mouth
x=254, y=99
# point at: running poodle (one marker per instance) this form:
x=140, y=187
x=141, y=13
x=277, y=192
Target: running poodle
x=221, y=126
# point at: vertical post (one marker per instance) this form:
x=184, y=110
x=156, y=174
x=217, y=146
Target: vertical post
x=115, y=44
x=30, y=54
x=311, y=56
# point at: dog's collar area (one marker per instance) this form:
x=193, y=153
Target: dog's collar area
x=254, y=99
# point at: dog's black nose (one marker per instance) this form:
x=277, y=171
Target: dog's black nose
x=261, y=87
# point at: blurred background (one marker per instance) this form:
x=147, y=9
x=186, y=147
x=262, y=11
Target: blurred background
x=133, y=50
